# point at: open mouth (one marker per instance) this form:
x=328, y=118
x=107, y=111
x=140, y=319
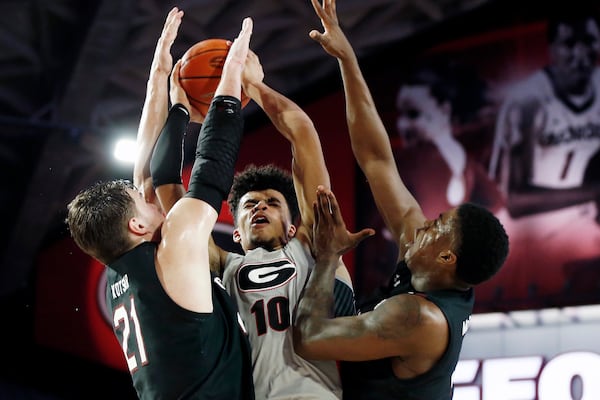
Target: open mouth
x=259, y=219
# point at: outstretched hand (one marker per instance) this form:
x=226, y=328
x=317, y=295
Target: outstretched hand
x=178, y=95
x=238, y=50
x=253, y=73
x=332, y=39
x=162, y=56
x=331, y=239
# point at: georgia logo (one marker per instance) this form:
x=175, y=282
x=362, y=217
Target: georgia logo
x=254, y=277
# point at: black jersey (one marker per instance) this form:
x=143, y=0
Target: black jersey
x=376, y=380
x=171, y=352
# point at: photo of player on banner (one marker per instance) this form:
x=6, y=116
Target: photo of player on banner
x=508, y=118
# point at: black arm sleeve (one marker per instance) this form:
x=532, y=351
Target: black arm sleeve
x=167, y=158
x=217, y=151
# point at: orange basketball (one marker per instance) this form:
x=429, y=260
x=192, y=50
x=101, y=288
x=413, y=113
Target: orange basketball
x=201, y=68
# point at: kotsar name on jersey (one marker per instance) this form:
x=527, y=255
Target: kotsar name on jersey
x=119, y=287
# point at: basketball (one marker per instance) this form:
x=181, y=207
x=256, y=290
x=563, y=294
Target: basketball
x=201, y=68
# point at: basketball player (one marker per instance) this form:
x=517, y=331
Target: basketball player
x=273, y=218
x=548, y=131
x=179, y=329
x=407, y=346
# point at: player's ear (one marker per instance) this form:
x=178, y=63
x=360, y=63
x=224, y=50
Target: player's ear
x=136, y=226
x=292, y=231
x=236, y=236
x=446, y=257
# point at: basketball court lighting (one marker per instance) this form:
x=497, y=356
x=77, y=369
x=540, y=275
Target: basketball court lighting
x=125, y=150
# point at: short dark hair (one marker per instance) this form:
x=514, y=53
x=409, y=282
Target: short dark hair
x=264, y=177
x=483, y=244
x=97, y=219
x=458, y=84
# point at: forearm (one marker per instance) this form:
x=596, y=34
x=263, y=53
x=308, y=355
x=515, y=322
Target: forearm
x=154, y=110
x=537, y=200
x=154, y=114
x=231, y=81
x=373, y=151
x=217, y=151
x=368, y=135
x=316, y=304
x=167, y=158
x=286, y=115
x=308, y=166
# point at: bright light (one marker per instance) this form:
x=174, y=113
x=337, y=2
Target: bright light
x=125, y=150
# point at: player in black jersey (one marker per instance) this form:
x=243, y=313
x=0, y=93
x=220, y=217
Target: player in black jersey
x=180, y=331
x=405, y=346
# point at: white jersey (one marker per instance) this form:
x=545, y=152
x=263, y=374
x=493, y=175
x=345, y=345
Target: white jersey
x=267, y=286
x=545, y=244
x=569, y=136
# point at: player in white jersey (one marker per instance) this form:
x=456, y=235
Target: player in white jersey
x=547, y=132
x=273, y=215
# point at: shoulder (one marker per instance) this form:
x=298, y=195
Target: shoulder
x=409, y=312
x=299, y=246
x=534, y=86
x=231, y=262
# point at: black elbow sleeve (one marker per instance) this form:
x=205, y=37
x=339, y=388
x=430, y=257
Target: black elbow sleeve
x=167, y=158
x=217, y=151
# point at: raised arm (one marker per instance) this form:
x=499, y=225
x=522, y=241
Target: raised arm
x=183, y=253
x=167, y=158
x=369, y=139
x=155, y=108
x=308, y=163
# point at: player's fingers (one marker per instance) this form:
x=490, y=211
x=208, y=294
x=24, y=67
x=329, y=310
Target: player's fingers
x=334, y=208
x=247, y=26
x=360, y=236
x=330, y=7
x=323, y=202
x=241, y=43
x=317, y=6
x=172, y=12
x=316, y=212
x=316, y=36
x=175, y=73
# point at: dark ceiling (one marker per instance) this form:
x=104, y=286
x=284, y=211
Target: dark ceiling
x=74, y=72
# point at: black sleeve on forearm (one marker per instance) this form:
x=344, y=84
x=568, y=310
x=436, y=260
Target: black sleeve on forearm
x=217, y=151
x=167, y=158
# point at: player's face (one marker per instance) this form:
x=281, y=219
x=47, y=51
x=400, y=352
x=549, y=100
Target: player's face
x=434, y=237
x=263, y=220
x=574, y=53
x=420, y=117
